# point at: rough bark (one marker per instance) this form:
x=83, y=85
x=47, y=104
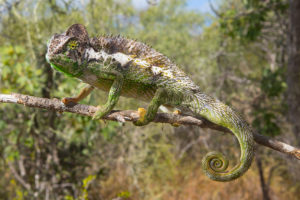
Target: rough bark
x=129, y=115
x=264, y=186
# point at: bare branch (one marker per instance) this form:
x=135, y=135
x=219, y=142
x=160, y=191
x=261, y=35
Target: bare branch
x=211, y=6
x=18, y=177
x=130, y=115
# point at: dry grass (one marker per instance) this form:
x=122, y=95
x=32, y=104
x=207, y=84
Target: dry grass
x=191, y=184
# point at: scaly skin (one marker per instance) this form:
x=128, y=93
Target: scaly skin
x=125, y=67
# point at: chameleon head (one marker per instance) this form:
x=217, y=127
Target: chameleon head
x=66, y=51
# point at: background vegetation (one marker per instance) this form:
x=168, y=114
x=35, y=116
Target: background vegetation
x=242, y=54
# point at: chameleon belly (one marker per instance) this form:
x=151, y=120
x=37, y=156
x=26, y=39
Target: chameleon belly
x=131, y=89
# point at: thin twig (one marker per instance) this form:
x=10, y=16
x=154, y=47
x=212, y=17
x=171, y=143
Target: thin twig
x=18, y=177
x=130, y=115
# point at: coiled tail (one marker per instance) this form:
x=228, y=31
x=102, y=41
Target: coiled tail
x=215, y=164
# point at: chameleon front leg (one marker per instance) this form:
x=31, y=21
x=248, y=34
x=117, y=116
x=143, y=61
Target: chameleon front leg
x=147, y=116
x=83, y=93
x=113, y=96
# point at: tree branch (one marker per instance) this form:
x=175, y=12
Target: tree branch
x=130, y=115
x=18, y=177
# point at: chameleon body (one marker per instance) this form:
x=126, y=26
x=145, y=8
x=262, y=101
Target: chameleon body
x=129, y=68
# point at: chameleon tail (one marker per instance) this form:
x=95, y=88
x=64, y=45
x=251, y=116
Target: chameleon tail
x=215, y=164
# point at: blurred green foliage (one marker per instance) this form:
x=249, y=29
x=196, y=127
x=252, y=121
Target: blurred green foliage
x=246, y=20
x=273, y=83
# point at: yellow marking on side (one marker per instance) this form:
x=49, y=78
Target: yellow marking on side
x=168, y=74
x=141, y=63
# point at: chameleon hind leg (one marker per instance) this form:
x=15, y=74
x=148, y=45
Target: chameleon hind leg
x=167, y=108
x=176, y=112
x=147, y=116
x=113, y=96
x=83, y=93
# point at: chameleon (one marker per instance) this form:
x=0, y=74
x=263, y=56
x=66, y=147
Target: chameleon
x=126, y=67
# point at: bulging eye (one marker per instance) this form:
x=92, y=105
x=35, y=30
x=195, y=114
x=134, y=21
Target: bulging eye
x=72, y=44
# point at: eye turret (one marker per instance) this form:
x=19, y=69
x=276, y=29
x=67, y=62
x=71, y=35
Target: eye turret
x=72, y=45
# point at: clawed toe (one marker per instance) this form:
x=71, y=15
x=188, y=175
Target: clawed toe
x=176, y=112
x=68, y=100
x=141, y=121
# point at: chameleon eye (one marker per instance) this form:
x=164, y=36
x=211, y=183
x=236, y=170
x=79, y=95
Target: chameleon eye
x=72, y=45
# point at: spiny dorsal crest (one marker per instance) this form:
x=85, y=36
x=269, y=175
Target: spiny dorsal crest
x=118, y=44
x=115, y=44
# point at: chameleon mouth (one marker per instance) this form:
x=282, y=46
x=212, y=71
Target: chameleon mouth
x=71, y=69
x=52, y=60
x=47, y=58
x=61, y=69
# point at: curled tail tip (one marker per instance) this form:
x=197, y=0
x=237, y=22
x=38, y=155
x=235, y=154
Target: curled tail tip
x=215, y=165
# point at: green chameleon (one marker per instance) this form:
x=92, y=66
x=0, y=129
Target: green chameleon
x=129, y=68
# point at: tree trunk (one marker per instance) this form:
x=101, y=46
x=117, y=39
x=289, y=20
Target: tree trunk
x=293, y=70
x=264, y=187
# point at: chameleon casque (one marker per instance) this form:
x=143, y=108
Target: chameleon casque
x=125, y=67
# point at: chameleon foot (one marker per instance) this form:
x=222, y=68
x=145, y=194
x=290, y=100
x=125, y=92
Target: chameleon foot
x=99, y=113
x=176, y=112
x=141, y=121
x=69, y=100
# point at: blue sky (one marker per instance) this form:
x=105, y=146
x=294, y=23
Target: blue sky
x=200, y=5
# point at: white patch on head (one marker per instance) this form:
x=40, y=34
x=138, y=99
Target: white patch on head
x=121, y=58
x=90, y=54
